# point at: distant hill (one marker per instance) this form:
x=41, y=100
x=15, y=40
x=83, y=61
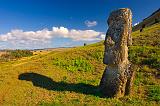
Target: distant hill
x=150, y=20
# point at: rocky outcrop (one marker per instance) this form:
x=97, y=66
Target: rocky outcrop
x=117, y=77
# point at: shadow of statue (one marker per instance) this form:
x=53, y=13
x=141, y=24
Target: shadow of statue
x=47, y=83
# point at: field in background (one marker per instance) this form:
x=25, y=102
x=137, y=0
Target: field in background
x=2, y=53
x=71, y=76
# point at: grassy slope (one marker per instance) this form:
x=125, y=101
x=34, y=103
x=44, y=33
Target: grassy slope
x=71, y=76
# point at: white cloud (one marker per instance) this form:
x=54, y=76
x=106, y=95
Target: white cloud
x=136, y=24
x=42, y=38
x=90, y=23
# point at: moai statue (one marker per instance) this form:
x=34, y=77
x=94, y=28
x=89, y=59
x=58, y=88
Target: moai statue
x=117, y=77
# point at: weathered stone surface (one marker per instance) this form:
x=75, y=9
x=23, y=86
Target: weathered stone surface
x=116, y=79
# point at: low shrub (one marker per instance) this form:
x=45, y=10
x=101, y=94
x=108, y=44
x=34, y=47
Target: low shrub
x=14, y=54
x=20, y=53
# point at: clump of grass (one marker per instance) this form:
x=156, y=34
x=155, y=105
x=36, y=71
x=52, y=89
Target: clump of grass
x=77, y=64
x=144, y=76
x=144, y=55
x=153, y=60
x=139, y=78
x=154, y=93
x=49, y=104
x=97, y=54
x=145, y=68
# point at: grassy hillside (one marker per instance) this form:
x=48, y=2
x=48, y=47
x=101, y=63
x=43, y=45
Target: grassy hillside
x=71, y=76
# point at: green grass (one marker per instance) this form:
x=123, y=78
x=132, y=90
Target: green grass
x=76, y=64
x=154, y=93
x=145, y=55
x=149, y=37
x=71, y=76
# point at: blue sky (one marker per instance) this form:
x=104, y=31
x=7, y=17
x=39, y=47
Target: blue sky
x=28, y=24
